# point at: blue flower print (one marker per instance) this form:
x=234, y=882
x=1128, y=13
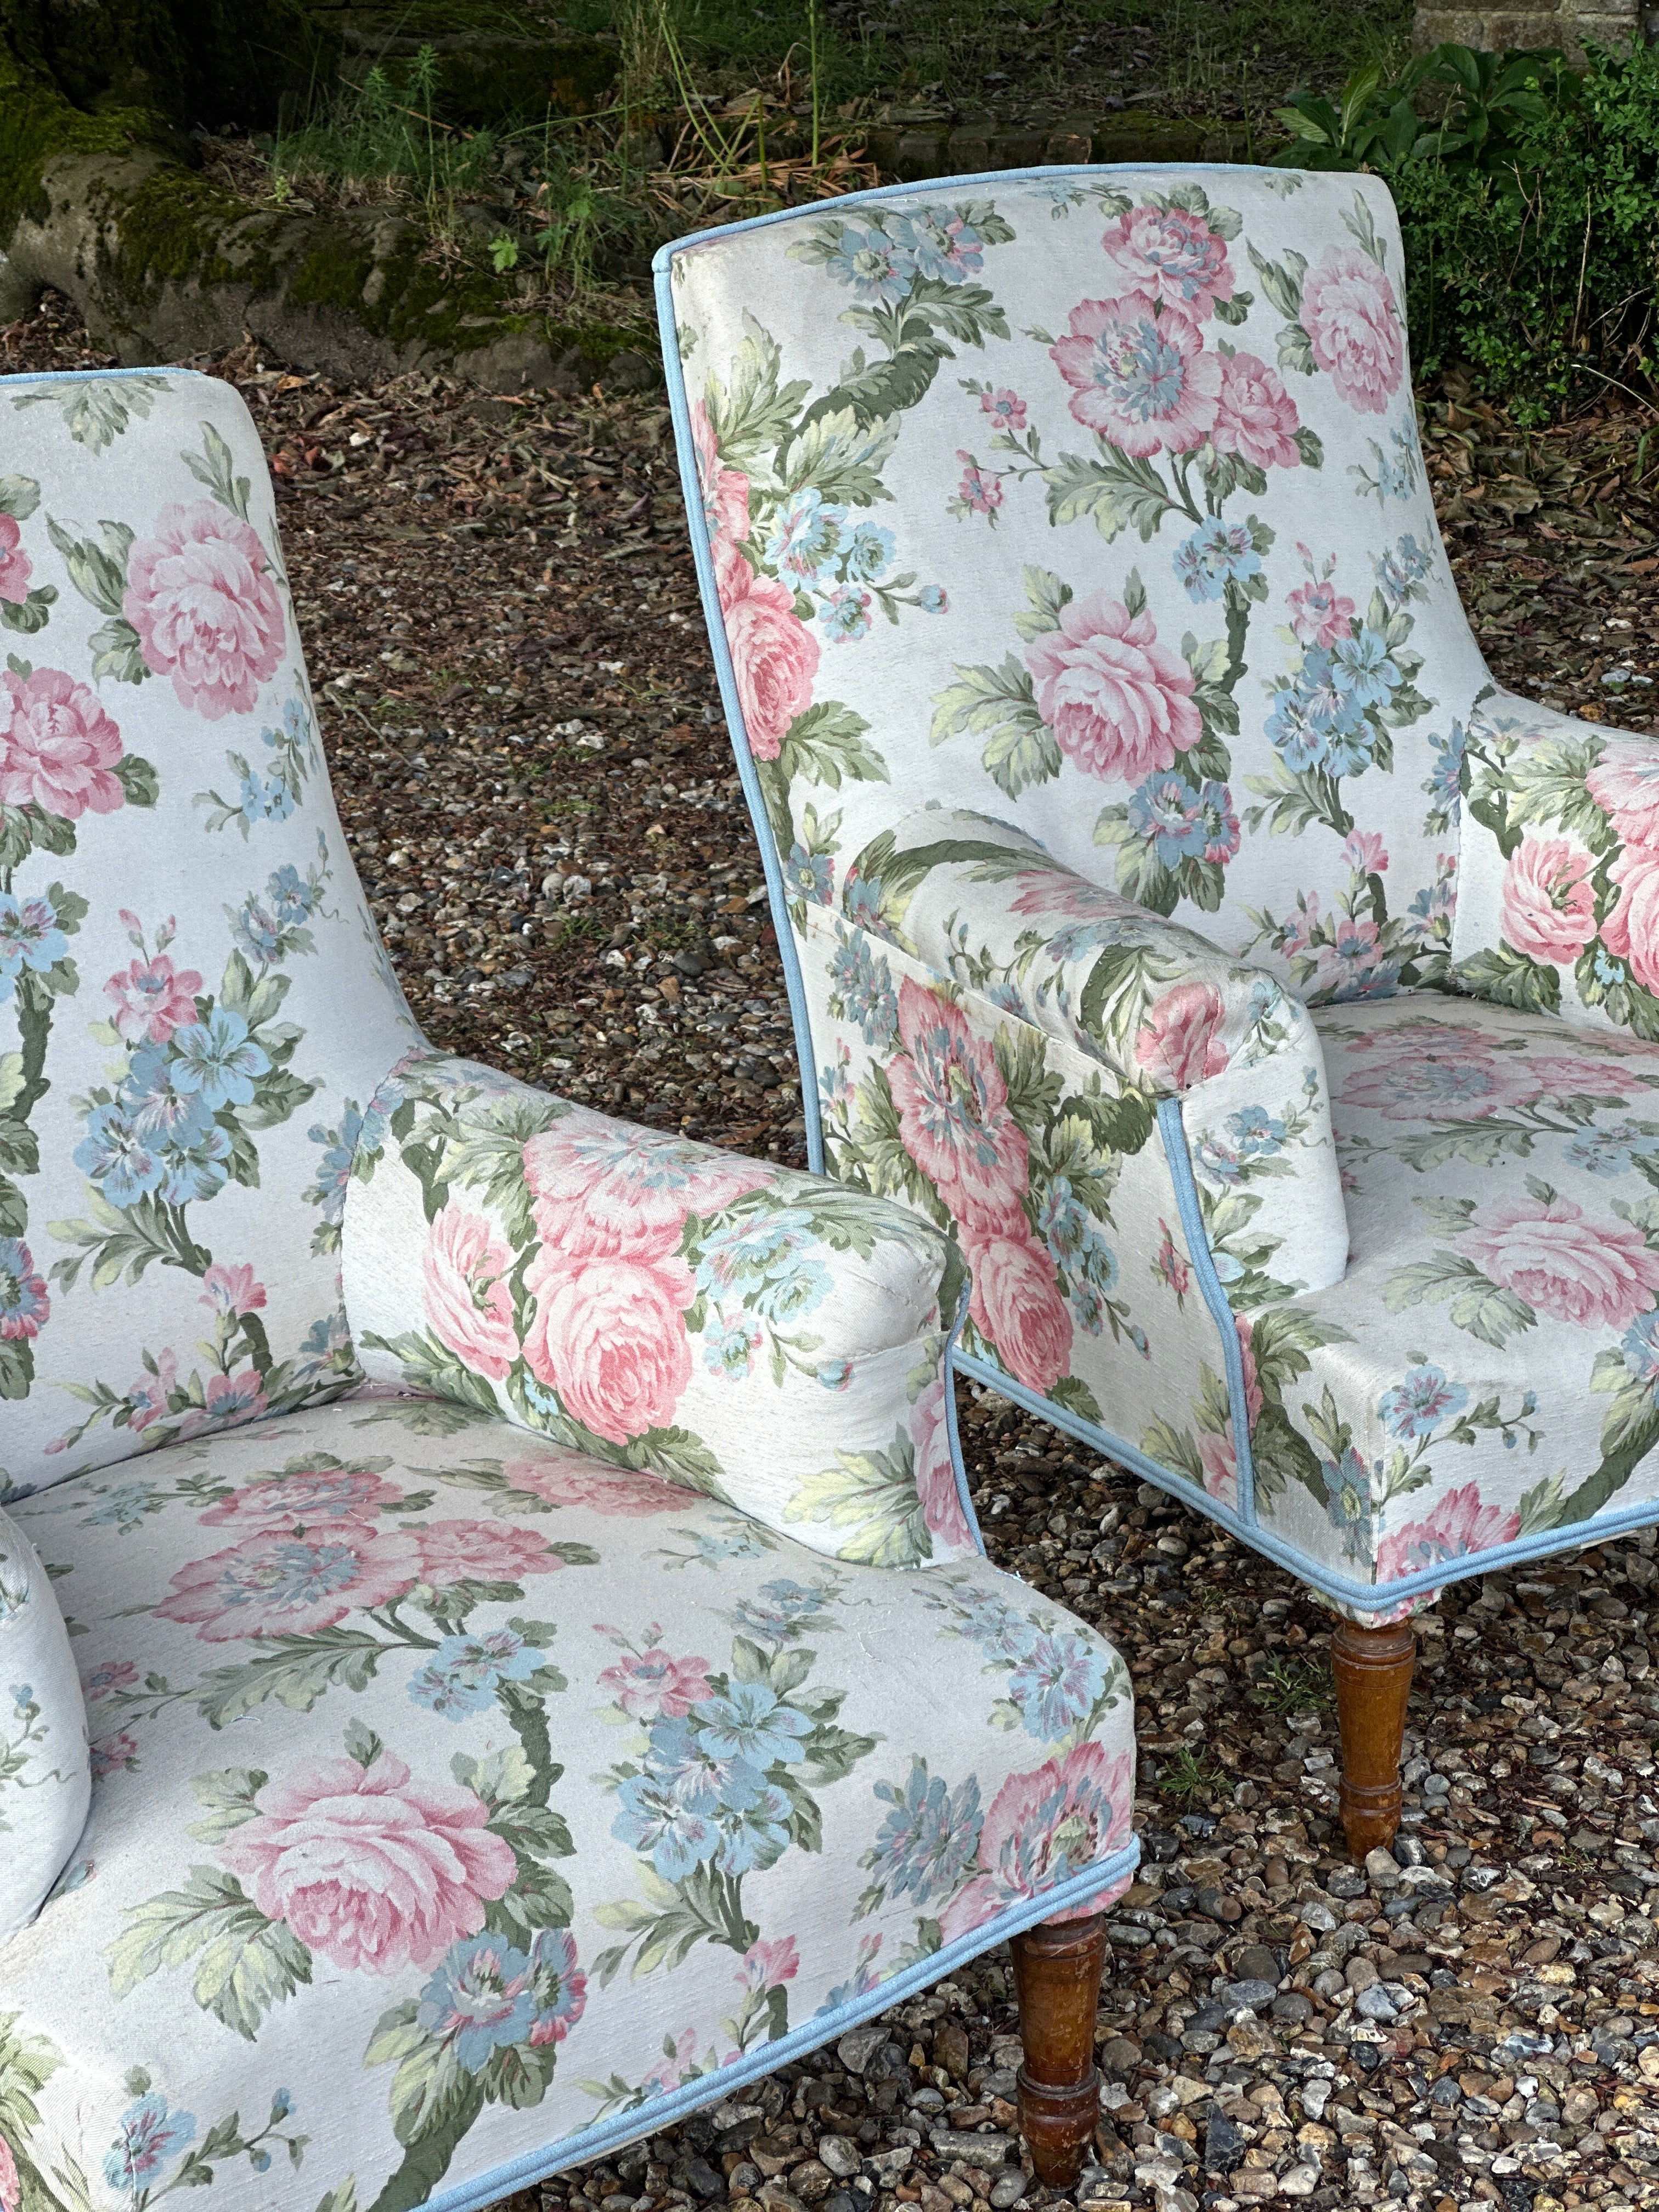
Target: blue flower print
x=1056, y=1684
x=117, y=1158
x=1612, y=1151
x=149, y=2134
x=257, y=933
x=24, y=1305
x=945, y=248
x=1443, y=784
x=761, y=1261
x=1257, y=1134
x=29, y=937
x=780, y=1612
x=729, y=1345
x=751, y=1722
x=464, y=1674
x=933, y=599
x=930, y=1837
x=712, y=1781
x=760, y=1834
x=1349, y=1504
x=877, y=267
x=1060, y=1220
x=805, y=537
x=810, y=875
x=164, y=1109
x=862, y=982
x=656, y=1821
x=293, y=899
x=845, y=615
x=265, y=799
x=861, y=895
x=1219, y=554
x=1415, y=1408
x=196, y=1168
x=219, y=1059
x=986, y=1619
x=1640, y=1346
x=1362, y=668
x=479, y=2001
x=868, y=554
x=1165, y=813
x=1400, y=574
x=124, y=1505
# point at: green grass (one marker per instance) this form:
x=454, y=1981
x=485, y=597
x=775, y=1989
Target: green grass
x=1293, y=1684
x=1191, y=1776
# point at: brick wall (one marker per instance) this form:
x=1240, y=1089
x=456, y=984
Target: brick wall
x=1565, y=23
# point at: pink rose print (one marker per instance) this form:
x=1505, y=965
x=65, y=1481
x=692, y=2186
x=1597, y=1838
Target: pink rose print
x=1053, y=894
x=953, y=1113
x=1005, y=409
x=1170, y=254
x=1320, y=615
x=725, y=491
x=1429, y=1070
x=57, y=746
x=610, y=1337
x=1017, y=1306
x=936, y=1476
x=15, y=569
x=1349, y=315
x=309, y=1497
x=371, y=1870
x=482, y=1552
x=147, y=1400
x=1631, y=931
x=599, y=1189
x=1365, y=852
x=775, y=656
x=1256, y=418
x=232, y=1290
x=205, y=608
x=152, y=999
x=769, y=1963
x=114, y=1755
x=11, y=2190
x=104, y=1681
x=1045, y=1827
x=1549, y=901
x=1459, y=1526
x=469, y=1302
x=1181, y=1040
x=1592, y=1273
x=1143, y=381
x=1624, y=784
x=1169, y=1266
x=1218, y=1461
x=1120, y=704
x=651, y=1685
x=979, y=493
x=616, y=1491
x=284, y=1583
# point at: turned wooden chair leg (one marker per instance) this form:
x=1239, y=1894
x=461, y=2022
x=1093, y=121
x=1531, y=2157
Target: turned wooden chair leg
x=1373, y=1682
x=1057, y=1970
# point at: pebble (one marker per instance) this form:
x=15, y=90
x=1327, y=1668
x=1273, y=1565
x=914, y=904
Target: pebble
x=1008, y=2188
x=842, y=2158
x=1250, y=1996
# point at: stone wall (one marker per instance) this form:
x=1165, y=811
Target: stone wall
x=1496, y=24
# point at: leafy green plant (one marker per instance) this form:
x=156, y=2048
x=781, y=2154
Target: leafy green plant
x=1488, y=100
x=1192, y=1775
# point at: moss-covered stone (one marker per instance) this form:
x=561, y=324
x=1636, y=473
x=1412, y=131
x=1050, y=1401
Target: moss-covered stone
x=486, y=73
x=188, y=61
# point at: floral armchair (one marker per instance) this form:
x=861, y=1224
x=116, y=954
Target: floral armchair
x=540, y=1666
x=1173, y=907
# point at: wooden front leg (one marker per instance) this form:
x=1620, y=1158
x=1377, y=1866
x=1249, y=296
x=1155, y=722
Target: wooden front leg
x=1373, y=1682
x=1057, y=1970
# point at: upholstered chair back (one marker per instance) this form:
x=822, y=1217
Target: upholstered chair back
x=1092, y=501
x=194, y=1008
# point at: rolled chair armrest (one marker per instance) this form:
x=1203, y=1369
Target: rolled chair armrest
x=768, y=1338
x=45, y=1768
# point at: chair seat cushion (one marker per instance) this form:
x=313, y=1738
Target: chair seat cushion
x=464, y=1807
x=1487, y=1371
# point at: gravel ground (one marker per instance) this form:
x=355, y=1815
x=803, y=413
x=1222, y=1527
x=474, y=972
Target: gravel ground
x=521, y=716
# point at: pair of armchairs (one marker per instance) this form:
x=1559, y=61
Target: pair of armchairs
x=1173, y=908
x=495, y=1647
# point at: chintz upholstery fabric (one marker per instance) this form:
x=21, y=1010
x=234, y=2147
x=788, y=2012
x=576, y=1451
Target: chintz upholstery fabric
x=492, y=1762
x=548, y=1792
x=45, y=1775
x=1125, y=762
x=767, y=1337
x=193, y=1001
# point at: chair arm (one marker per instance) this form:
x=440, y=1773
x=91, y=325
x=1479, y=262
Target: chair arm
x=768, y=1338
x=46, y=1769
x=1558, y=899
x=1229, y=1059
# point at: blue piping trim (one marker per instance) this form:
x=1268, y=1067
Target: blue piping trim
x=1173, y=1131
x=964, y=1496
x=590, y=2143
x=679, y=408
x=1045, y=174
x=95, y=375
x=1364, y=1597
